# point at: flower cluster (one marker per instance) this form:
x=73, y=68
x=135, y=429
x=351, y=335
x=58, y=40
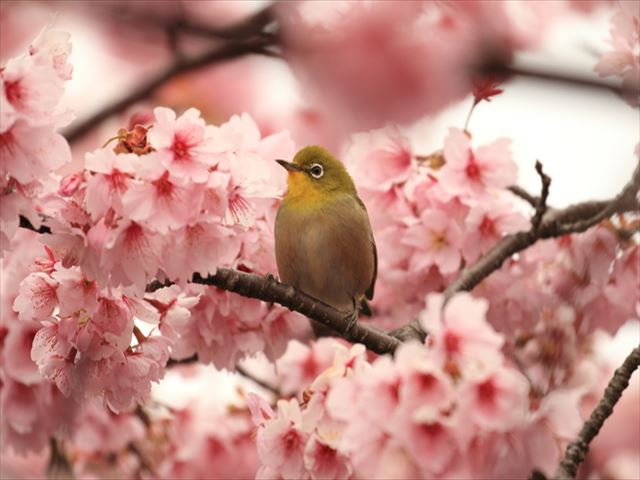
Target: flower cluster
x=31, y=87
x=624, y=60
x=431, y=215
x=352, y=54
x=455, y=407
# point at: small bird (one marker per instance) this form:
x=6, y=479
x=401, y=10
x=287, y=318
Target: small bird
x=324, y=243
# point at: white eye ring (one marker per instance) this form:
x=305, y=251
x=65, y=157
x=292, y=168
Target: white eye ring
x=316, y=170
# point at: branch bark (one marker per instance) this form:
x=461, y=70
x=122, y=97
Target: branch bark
x=268, y=289
x=555, y=223
x=575, y=218
x=577, y=450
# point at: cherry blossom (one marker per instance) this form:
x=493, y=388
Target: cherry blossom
x=184, y=144
x=472, y=172
x=437, y=241
x=624, y=59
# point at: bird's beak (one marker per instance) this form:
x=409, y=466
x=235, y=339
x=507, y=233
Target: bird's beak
x=289, y=166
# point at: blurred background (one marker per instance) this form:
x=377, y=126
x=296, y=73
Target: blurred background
x=119, y=46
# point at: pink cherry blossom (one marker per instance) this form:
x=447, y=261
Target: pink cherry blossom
x=204, y=247
x=97, y=430
x=459, y=332
x=134, y=255
x=624, y=59
x=159, y=202
x=111, y=179
x=16, y=355
x=53, y=47
x=437, y=241
x=301, y=364
x=32, y=90
x=472, y=172
x=54, y=354
x=380, y=158
x=75, y=292
x=486, y=224
x=281, y=442
x=184, y=144
x=37, y=297
x=495, y=400
x=172, y=309
x=130, y=380
x=109, y=330
x=324, y=462
x=29, y=153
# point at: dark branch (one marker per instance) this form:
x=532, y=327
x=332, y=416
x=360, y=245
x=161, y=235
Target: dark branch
x=555, y=223
x=541, y=204
x=575, y=218
x=523, y=194
x=246, y=37
x=26, y=223
x=261, y=383
x=576, y=450
x=594, y=82
x=268, y=289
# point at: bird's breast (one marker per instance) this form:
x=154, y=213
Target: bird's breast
x=327, y=251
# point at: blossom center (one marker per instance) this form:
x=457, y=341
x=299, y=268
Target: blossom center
x=164, y=187
x=472, y=170
x=487, y=227
x=180, y=148
x=14, y=92
x=451, y=342
x=487, y=391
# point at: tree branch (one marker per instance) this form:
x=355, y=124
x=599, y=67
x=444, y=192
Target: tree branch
x=268, y=289
x=523, y=194
x=591, y=81
x=245, y=44
x=261, y=383
x=575, y=218
x=541, y=204
x=555, y=223
x=576, y=450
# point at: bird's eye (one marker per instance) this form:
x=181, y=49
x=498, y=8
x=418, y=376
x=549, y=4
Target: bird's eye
x=316, y=170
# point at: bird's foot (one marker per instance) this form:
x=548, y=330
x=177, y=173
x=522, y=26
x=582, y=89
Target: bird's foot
x=270, y=277
x=352, y=320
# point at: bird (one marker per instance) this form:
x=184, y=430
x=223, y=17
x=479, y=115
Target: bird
x=324, y=243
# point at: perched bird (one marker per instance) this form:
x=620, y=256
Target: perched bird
x=324, y=242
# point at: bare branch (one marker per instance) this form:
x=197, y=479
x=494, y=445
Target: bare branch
x=523, y=194
x=246, y=37
x=575, y=218
x=591, y=81
x=261, y=383
x=555, y=223
x=268, y=289
x=576, y=450
x=541, y=204
x=226, y=52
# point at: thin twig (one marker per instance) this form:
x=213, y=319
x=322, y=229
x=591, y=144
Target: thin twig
x=576, y=450
x=575, y=218
x=541, y=204
x=555, y=223
x=594, y=82
x=261, y=383
x=268, y=289
x=523, y=194
x=145, y=90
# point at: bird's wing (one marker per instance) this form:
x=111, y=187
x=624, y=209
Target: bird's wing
x=369, y=292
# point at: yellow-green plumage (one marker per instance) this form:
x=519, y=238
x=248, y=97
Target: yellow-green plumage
x=324, y=243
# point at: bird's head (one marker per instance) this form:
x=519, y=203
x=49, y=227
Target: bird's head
x=315, y=174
